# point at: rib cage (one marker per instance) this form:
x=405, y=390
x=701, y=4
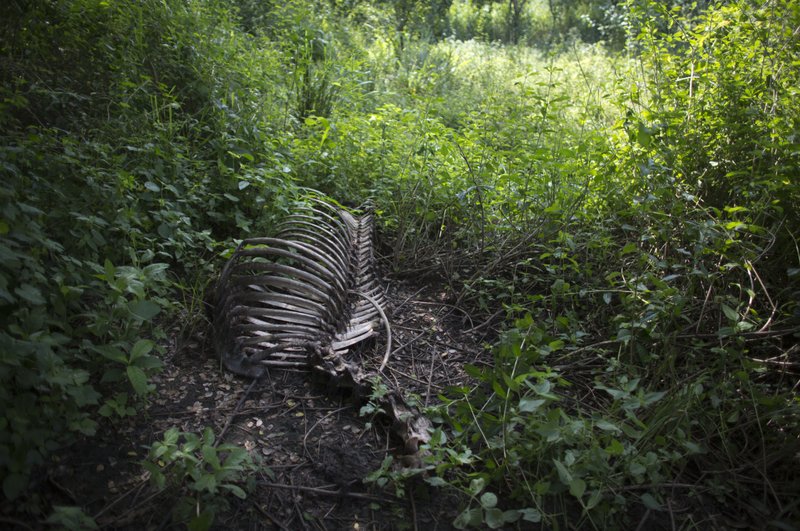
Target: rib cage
x=311, y=289
x=304, y=299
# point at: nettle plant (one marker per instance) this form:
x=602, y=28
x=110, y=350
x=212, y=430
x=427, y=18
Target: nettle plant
x=200, y=471
x=100, y=201
x=61, y=325
x=543, y=452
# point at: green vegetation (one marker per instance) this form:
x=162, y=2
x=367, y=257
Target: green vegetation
x=216, y=470
x=618, y=181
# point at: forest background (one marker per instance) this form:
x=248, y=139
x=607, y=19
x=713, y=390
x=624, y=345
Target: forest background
x=615, y=182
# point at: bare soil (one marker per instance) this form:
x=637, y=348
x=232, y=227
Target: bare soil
x=313, y=448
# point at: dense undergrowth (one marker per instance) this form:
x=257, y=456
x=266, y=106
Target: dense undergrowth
x=628, y=211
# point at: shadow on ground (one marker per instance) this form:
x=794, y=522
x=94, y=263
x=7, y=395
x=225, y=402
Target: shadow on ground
x=313, y=448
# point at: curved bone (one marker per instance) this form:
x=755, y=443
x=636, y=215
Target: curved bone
x=304, y=299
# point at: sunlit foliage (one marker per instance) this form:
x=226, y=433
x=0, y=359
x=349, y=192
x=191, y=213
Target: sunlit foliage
x=621, y=199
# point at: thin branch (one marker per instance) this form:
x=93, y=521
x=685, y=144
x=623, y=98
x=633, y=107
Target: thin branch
x=325, y=492
x=222, y=433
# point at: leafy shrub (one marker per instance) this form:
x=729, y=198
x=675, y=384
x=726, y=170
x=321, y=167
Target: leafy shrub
x=124, y=161
x=630, y=216
x=652, y=288
x=193, y=463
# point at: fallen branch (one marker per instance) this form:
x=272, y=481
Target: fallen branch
x=325, y=492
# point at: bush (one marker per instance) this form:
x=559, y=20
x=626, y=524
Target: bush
x=124, y=161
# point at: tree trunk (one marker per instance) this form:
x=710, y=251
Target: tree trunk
x=515, y=11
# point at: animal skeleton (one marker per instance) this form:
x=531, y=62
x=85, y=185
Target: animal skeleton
x=306, y=298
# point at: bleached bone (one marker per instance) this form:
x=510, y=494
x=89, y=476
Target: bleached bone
x=307, y=298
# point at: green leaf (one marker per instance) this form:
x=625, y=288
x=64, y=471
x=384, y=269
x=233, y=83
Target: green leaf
x=615, y=448
x=558, y=344
x=652, y=398
x=650, y=502
x=155, y=270
x=542, y=487
x=631, y=432
x=543, y=389
x=644, y=136
x=112, y=353
x=616, y=394
x=563, y=474
x=734, y=209
x=735, y=225
x=469, y=518
x=30, y=294
x=208, y=436
x=207, y=483
x=138, y=380
x=474, y=371
x=71, y=518
x=160, y=449
x=494, y=518
x=438, y=437
x=499, y=389
x=606, y=426
x=577, y=487
x=153, y=187
x=210, y=456
x=488, y=500
x=693, y=447
x=629, y=248
x=84, y=395
x=511, y=516
x=144, y=309
x=142, y=347
x=730, y=313
x=553, y=209
x=110, y=272
x=531, y=515
x=435, y=481
x=236, y=490
x=594, y=499
x=157, y=478
x=149, y=363
x=637, y=469
x=529, y=405
x=725, y=331
x=476, y=486
x=171, y=436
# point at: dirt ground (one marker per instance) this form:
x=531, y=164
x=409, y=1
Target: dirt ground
x=313, y=448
